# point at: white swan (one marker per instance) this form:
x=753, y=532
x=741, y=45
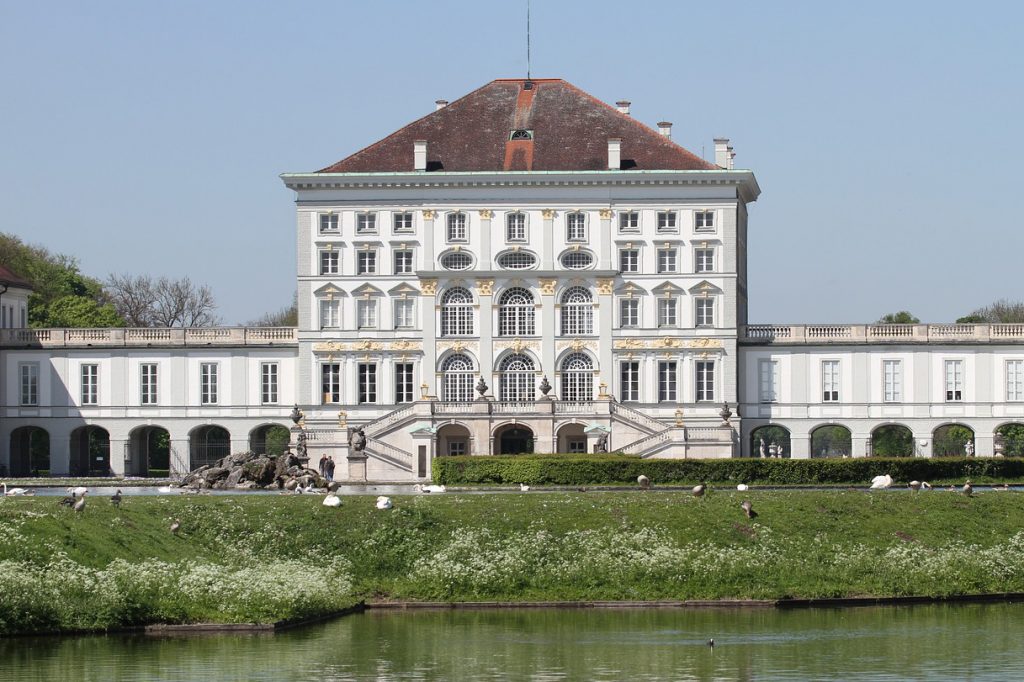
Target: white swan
x=880, y=482
x=643, y=481
x=332, y=500
x=524, y=488
x=384, y=502
x=80, y=491
x=15, y=492
x=430, y=488
x=165, y=489
x=742, y=487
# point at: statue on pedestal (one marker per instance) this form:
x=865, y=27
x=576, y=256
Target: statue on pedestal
x=602, y=443
x=481, y=387
x=357, y=441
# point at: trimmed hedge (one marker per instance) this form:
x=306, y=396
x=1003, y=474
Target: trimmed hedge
x=620, y=469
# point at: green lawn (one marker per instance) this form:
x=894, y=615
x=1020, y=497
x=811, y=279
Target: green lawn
x=244, y=558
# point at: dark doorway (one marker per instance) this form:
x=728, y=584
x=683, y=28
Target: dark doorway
x=90, y=452
x=515, y=440
x=30, y=452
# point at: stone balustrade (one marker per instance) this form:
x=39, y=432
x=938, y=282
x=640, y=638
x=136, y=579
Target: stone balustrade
x=148, y=337
x=811, y=334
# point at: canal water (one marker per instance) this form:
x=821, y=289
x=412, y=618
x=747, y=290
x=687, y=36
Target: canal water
x=931, y=642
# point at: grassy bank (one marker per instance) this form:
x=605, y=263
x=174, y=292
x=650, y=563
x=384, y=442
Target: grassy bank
x=272, y=557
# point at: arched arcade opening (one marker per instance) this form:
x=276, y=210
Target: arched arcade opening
x=892, y=440
x=90, y=452
x=953, y=440
x=149, y=452
x=269, y=439
x=771, y=440
x=207, y=444
x=1009, y=440
x=29, y=452
x=572, y=438
x=513, y=439
x=831, y=440
x=453, y=439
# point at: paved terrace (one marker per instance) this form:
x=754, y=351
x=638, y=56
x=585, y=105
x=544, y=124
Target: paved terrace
x=148, y=337
x=816, y=334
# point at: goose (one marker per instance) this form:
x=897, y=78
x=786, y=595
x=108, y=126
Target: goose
x=524, y=488
x=115, y=499
x=332, y=500
x=742, y=487
x=968, y=489
x=80, y=504
x=699, y=490
x=748, y=509
x=644, y=482
x=80, y=491
x=881, y=482
x=67, y=501
x=175, y=526
x=15, y=492
x=333, y=486
x=384, y=502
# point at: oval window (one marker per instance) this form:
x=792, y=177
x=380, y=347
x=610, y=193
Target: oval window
x=456, y=261
x=577, y=260
x=517, y=260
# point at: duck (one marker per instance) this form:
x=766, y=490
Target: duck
x=643, y=482
x=699, y=490
x=115, y=499
x=881, y=482
x=175, y=526
x=332, y=500
x=384, y=502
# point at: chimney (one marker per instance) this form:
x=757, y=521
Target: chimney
x=440, y=104
x=419, y=155
x=722, y=152
x=732, y=155
x=614, y=154
x=665, y=128
x=623, y=105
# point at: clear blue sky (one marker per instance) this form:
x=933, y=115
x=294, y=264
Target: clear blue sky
x=886, y=136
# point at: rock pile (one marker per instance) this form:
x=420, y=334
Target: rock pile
x=247, y=470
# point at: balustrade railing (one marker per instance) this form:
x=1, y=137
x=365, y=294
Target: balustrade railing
x=390, y=451
x=638, y=417
x=881, y=333
x=149, y=336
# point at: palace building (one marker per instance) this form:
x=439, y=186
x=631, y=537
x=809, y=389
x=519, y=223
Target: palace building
x=525, y=269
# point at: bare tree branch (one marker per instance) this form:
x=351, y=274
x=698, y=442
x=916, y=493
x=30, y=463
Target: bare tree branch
x=163, y=302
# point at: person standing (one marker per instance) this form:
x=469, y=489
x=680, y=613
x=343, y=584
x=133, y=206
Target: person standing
x=329, y=468
x=323, y=465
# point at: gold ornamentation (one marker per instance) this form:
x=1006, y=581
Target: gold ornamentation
x=405, y=344
x=577, y=345
x=548, y=213
x=484, y=287
x=669, y=342
x=328, y=347
x=517, y=345
x=428, y=287
x=486, y=213
x=366, y=345
x=429, y=214
x=605, y=287
x=547, y=286
x=342, y=419
x=606, y=214
x=629, y=343
x=705, y=343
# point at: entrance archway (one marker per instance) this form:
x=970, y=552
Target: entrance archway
x=149, y=452
x=30, y=452
x=831, y=440
x=453, y=439
x=771, y=434
x=513, y=439
x=892, y=440
x=90, y=452
x=572, y=439
x=269, y=439
x=950, y=440
x=207, y=444
x=1009, y=440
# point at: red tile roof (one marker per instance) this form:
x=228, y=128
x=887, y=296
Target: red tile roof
x=570, y=128
x=12, y=280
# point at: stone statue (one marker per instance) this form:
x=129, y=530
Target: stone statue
x=761, y=448
x=481, y=387
x=969, y=448
x=357, y=440
x=725, y=414
x=773, y=450
x=545, y=386
x=300, y=446
x=296, y=415
x=602, y=443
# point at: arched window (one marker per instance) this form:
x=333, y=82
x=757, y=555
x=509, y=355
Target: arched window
x=457, y=379
x=457, y=312
x=577, y=312
x=577, y=378
x=516, y=377
x=515, y=313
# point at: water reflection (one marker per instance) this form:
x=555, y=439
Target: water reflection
x=942, y=642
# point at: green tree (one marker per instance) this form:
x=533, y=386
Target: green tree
x=1013, y=439
x=277, y=440
x=892, y=440
x=831, y=441
x=902, y=317
x=78, y=311
x=285, y=317
x=949, y=440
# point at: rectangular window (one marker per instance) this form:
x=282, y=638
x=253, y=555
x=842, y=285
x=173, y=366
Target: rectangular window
x=330, y=313
x=268, y=383
x=367, y=382
x=667, y=221
x=830, y=381
x=403, y=262
x=629, y=260
x=403, y=382
x=666, y=382
x=208, y=383
x=367, y=313
x=576, y=227
x=704, y=221
x=954, y=380
x=366, y=262
x=703, y=260
x=90, y=384
x=630, y=381
x=331, y=382
x=629, y=221
x=404, y=313
x=629, y=312
x=515, y=227
x=667, y=312
x=705, y=312
x=668, y=260
x=328, y=222
x=1015, y=379
x=366, y=223
x=329, y=262
x=457, y=227
x=768, y=373
x=705, y=377
x=401, y=222
x=29, y=384
x=892, y=381
x=456, y=448
x=148, y=383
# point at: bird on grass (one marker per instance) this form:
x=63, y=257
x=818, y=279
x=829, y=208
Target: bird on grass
x=333, y=486
x=164, y=490
x=748, y=509
x=699, y=490
x=430, y=488
x=742, y=487
x=968, y=489
x=175, y=526
x=524, y=488
x=115, y=499
x=919, y=485
x=881, y=482
x=67, y=501
x=331, y=500
x=80, y=491
x=711, y=643
x=80, y=504
x=643, y=481
x=384, y=502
